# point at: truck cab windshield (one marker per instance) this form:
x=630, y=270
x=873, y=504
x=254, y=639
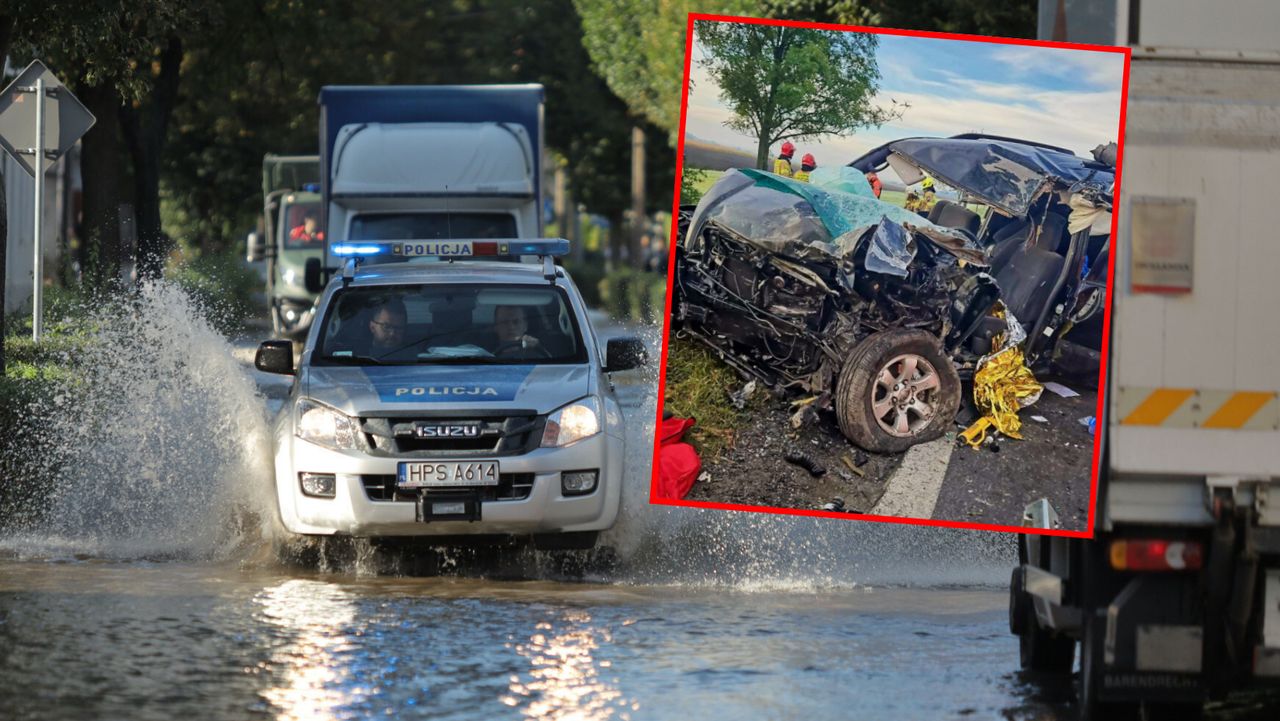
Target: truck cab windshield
x=450, y=324
x=432, y=226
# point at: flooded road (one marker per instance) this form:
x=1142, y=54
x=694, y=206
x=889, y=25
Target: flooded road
x=94, y=639
x=146, y=584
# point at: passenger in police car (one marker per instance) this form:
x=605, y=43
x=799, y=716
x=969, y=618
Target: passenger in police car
x=511, y=327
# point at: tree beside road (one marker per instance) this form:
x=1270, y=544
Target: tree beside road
x=784, y=83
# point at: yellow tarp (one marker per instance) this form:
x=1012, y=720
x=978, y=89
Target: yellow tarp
x=1001, y=387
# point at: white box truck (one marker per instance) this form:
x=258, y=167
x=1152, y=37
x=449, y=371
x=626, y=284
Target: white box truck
x=1176, y=598
x=429, y=163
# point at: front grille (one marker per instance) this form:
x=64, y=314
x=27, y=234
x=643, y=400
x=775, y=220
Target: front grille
x=511, y=487
x=498, y=435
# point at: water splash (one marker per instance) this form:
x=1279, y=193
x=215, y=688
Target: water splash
x=763, y=551
x=159, y=448
x=163, y=451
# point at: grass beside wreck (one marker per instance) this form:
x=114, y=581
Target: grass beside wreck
x=698, y=386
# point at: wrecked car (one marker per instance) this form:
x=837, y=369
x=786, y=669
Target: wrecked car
x=1046, y=228
x=871, y=309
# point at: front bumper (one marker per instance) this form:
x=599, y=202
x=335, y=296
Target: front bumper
x=544, y=510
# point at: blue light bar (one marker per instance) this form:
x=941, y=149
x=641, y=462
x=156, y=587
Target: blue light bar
x=349, y=249
x=554, y=247
x=543, y=246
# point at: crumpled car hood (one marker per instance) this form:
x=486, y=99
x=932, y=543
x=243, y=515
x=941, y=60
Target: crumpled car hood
x=1005, y=174
x=806, y=222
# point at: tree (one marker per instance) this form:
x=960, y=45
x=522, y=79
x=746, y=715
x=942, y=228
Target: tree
x=976, y=17
x=637, y=46
x=785, y=82
x=117, y=55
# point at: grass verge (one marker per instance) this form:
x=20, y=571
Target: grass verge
x=698, y=386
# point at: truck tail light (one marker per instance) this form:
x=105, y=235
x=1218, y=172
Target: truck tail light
x=1132, y=554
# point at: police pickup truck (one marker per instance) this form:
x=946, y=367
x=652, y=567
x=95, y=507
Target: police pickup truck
x=464, y=396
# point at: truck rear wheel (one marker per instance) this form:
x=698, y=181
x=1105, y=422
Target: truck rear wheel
x=896, y=390
x=1040, y=650
x=1092, y=646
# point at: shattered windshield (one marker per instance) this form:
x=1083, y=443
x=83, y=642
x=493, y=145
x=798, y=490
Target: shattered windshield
x=440, y=324
x=801, y=220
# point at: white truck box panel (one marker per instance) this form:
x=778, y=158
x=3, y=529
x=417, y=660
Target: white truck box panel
x=1240, y=25
x=1225, y=334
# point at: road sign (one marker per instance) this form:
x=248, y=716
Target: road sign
x=39, y=122
x=65, y=118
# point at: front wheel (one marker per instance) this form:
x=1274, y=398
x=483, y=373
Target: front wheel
x=896, y=390
x=576, y=541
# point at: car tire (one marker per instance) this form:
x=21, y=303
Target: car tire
x=886, y=418
x=576, y=541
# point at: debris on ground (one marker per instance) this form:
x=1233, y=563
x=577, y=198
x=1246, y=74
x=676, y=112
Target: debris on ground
x=805, y=415
x=853, y=464
x=1090, y=423
x=1060, y=389
x=837, y=505
x=805, y=461
x=804, y=410
x=738, y=399
x=1039, y=419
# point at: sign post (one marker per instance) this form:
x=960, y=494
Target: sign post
x=37, y=134
x=37, y=265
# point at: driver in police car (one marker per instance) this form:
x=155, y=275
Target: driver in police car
x=511, y=325
x=386, y=328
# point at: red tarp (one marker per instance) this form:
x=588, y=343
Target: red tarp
x=678, y=462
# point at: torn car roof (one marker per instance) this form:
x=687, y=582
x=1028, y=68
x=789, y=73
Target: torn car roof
x=1005, y=174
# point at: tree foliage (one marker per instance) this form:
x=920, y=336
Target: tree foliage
x=786, y=82
x=638, y=47
x=978, y=17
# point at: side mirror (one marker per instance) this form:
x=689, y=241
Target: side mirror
x=255, y=247
x=275, y=356
x=623, y=354
x=312, y=276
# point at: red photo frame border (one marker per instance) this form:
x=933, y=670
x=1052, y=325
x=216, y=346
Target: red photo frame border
x=1106, y=322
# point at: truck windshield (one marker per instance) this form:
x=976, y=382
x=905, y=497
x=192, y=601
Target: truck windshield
x=302, y=226
x=432, y=226
x=450, y=324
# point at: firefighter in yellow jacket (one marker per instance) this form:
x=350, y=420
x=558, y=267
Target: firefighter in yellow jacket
x=807, y=164
x=782, y=166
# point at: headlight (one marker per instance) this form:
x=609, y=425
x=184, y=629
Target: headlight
x=572, y=423
x=326, y=427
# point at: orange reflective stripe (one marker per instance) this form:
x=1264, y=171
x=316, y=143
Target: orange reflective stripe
x=1237, y=410
x=1157, y=407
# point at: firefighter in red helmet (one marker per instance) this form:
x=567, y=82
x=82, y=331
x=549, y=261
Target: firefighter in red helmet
x=782, y=166
x=807, y=164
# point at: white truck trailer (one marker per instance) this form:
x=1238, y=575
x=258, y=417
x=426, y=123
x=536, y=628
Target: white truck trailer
x=429, y=163
x=1177, y=597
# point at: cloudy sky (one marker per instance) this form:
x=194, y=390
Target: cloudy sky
x=1069, y=98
